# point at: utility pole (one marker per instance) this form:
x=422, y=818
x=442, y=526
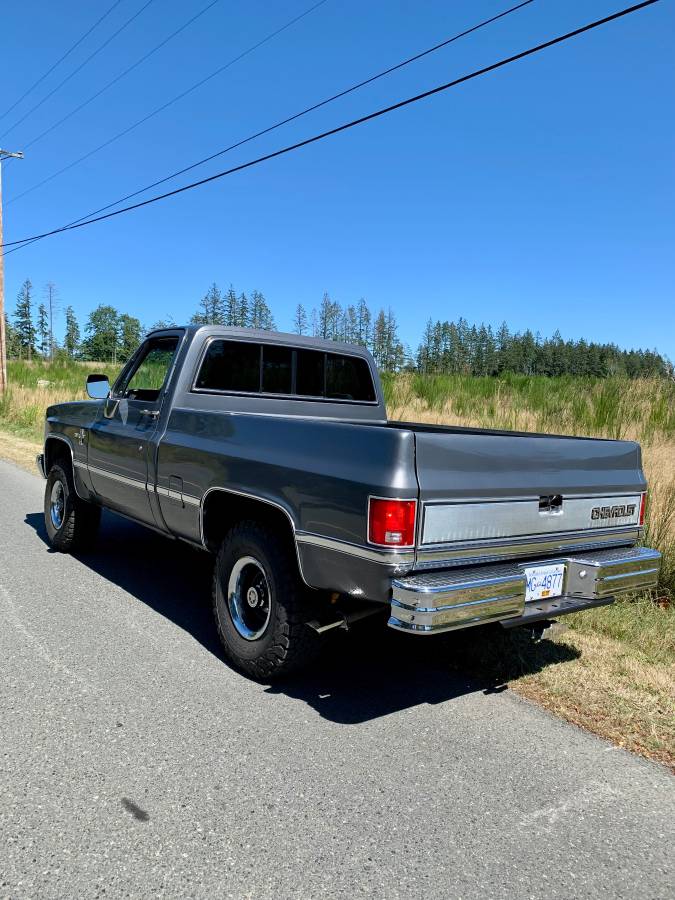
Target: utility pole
x=4, y=154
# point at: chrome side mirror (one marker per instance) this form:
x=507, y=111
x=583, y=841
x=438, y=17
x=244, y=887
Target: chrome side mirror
x=98, y=387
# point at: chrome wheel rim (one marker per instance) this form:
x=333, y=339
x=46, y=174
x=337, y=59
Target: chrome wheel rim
x=248, y=598
x=57, y=502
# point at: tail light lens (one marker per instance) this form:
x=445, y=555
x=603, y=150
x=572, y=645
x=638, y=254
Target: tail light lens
x=643, y=504
x=391, y=523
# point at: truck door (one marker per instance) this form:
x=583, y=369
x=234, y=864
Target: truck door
x=122, y=439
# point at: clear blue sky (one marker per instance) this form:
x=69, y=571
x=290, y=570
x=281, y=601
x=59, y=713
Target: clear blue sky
x=541, y=194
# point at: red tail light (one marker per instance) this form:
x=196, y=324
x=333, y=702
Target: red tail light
x=643, y=504
x=391, y=523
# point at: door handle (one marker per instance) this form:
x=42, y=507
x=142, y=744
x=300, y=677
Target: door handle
x=153, y=413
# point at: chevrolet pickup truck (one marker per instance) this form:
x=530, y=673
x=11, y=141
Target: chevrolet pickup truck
x=273, y=452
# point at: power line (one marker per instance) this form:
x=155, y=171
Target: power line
x=164, y=106
x=258, y=134
x=122, y=74
x=60, y=60
x=353, y=123
x=79, y=68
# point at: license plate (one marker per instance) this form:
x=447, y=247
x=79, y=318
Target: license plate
x=542, y=582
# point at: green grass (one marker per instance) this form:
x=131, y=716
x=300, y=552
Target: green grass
x=66, y=375
x=639, y=621
x=608, y=407
x=22, y=409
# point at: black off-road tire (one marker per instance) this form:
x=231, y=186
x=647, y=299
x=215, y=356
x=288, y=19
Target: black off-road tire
x=287, y=642
x=79, y=521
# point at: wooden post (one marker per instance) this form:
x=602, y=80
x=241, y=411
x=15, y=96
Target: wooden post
x=4, y=154
x=3, y=335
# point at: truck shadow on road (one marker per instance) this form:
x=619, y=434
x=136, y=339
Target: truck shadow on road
x=362, y=675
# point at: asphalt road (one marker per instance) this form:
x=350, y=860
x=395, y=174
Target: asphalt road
x=135, y=763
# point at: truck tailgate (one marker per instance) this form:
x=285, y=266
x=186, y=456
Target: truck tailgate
x=493, y=465
x=480, y=488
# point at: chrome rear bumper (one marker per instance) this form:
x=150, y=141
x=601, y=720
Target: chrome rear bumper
x=459, y=598
x=40, y=463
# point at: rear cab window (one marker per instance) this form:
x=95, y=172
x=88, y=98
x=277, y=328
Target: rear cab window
x=291, y=372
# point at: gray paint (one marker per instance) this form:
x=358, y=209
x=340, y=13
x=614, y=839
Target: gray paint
x=318, y=461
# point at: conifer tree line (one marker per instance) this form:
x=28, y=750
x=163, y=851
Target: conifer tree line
x=353, y=324
x=109, y=335
x=458, y=347
x=447, y=347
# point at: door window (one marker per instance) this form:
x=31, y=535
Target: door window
x=148, y=375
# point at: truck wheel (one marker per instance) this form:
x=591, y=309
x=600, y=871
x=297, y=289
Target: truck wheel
x=259, y=604
x=71, y=522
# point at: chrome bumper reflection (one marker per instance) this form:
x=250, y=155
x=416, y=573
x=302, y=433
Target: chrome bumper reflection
x=459, y=598
x=40, y=463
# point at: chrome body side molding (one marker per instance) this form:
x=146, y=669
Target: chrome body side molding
x=187, y=499
x=113, y=476
x=138, y=483
x=389, y=557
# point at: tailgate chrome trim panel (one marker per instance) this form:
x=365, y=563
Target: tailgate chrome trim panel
x=531, y=545
x=498, y=519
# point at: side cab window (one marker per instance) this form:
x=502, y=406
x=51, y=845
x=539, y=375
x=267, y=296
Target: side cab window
x=148, y=374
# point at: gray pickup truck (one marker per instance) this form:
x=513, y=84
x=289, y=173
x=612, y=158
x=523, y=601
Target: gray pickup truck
x=273, y=452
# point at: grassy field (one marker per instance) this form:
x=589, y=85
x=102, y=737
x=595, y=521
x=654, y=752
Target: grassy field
x=34, y=386
x=643, y=410
x=610, y=670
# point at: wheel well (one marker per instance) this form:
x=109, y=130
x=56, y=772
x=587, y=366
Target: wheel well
x=222, y=510
x=57, y=451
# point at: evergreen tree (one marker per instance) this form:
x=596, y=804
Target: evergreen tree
x=23, y=320
x=329, y=319
x=379, y=348
x=103, y=334
x=52, y=305
x=425, y=361
x=364, y=324
x=300, y=320
x=231, y=307
x=242, y=320
x=211, y=309
x=395, y=359
x=71, y=341
x=43, y=331
x=350, y=325
x=12, y=342
x=260, y=315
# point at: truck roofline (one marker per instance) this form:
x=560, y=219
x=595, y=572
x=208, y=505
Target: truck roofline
x=268, y=337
